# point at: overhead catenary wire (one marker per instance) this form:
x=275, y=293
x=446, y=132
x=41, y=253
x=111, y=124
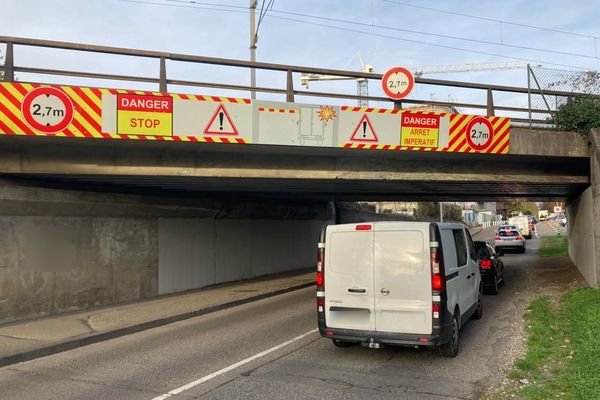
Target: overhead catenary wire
x=489, y=19
x=433, y=44
x=242, y=10
x=261, y=15
x=440, y=35
x=197, y=5
x=205, y=3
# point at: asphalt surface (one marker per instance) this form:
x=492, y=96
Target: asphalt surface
x=205, y=350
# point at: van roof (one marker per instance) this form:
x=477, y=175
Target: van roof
x=402, y=225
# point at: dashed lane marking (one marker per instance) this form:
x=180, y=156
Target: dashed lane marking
x=232, y=367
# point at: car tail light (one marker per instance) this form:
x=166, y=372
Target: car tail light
x=519, y=237
x=321, y=267
x=486, y=264
x=498, y=237
x=437, y=270
x=435, y=310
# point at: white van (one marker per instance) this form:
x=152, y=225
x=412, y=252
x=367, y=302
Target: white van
x=400, y=283
x=522, y=222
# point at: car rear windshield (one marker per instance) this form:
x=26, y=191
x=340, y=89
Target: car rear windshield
x=483, y=253
x=508, y=233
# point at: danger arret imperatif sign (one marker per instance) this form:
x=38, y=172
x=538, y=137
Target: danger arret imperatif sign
x=420, y=130
x=144, y=115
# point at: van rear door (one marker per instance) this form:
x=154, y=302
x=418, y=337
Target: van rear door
x=349, y=277
x=402, y=270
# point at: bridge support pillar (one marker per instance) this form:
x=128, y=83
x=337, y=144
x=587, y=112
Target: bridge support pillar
x=583, y=216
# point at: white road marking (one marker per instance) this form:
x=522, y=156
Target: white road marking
x=231, y=367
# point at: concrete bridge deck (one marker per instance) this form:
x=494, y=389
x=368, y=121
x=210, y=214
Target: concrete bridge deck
x=539, y=165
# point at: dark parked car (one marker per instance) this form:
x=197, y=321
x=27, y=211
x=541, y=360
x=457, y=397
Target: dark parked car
x=490, y=266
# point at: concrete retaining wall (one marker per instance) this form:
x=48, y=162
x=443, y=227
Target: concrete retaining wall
x=582, y=248
x=64, y=250
x=48, y=265
x=201, y=252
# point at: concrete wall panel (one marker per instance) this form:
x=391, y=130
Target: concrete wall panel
x=582, y=249
x=246, y=248
x=186, y=254
x=53, y=264
x=201, y=252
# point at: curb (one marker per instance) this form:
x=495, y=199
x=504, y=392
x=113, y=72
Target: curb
x=100, y=337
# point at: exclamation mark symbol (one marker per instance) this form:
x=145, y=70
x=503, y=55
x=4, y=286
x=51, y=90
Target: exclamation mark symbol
x=221, y=120
x=364, y=124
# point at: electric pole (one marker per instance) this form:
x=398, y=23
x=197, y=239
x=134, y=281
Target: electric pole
x=253, y=40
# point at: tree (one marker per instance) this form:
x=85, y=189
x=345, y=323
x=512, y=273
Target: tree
x=427, y=211
x=452, y=213
x=430, y=211
x=521, y=207
x=582, y=112
x=579, y=114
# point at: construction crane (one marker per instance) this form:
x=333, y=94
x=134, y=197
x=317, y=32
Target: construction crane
x=362, y=84
x=467, y=67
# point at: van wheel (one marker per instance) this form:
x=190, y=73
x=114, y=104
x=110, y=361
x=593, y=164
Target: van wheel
x=450, y=349
x=479, y=311
x=341, y=343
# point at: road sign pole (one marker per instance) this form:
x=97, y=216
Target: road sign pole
x=253, y=47
x=9, y=75
x=163, y=76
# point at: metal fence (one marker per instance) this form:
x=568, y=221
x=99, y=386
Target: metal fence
x=545, y=82
x=536, y=114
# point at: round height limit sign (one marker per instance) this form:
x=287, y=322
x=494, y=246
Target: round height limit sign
x=397, y=83
x=480, y=133
x=47, y=109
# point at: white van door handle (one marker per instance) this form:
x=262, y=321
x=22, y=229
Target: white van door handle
x=357, y=290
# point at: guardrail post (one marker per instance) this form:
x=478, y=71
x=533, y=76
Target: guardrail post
x=163, y=76
x=289, y=90
x=490, y=102
x=9, y=64
x=529, y=93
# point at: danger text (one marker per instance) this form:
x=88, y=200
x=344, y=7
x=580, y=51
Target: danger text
x=144, y=103
x=420, y=121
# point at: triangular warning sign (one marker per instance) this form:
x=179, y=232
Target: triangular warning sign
x=364, y=131
x=220, y=123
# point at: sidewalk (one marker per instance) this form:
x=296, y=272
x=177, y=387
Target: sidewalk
x=26, y=340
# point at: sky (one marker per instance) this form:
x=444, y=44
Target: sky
x=559, y=34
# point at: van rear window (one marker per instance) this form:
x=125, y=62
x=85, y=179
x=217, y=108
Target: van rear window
x=461, y=246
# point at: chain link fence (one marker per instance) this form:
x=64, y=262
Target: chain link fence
x=543, y=106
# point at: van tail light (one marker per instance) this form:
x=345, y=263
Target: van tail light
x=435, y=310
x=321, y=267
x=437, y=270
x=320, y=279
x=486, y=264
x=363, y=227
x=320, y=304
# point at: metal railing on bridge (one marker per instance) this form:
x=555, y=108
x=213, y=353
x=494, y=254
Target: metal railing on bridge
x=519, y=115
